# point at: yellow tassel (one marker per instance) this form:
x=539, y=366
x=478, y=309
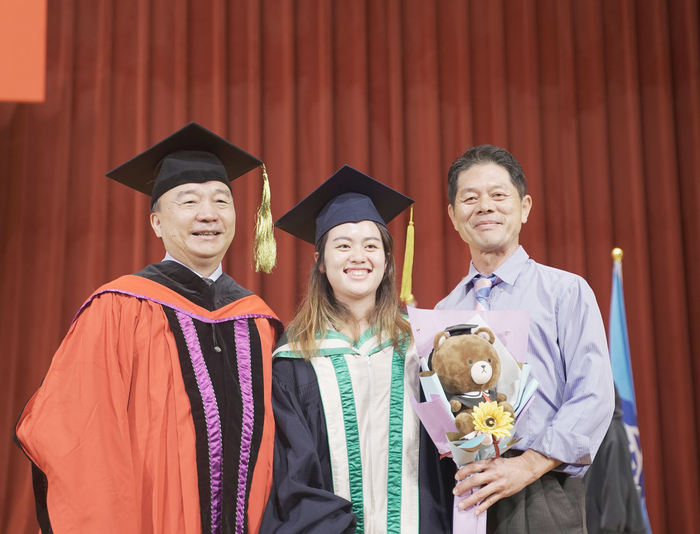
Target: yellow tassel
x=264, y=246
x=407, y=277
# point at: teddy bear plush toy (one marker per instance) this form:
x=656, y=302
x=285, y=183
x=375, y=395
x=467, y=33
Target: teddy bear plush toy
x=468, y=367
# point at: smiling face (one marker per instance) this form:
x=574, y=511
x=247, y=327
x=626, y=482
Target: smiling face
x=197, y=223
x=354, y=262
x=488, y=212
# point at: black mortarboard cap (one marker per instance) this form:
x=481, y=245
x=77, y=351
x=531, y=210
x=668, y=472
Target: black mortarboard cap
x=347, y=196
x=461, y=329
x=456, y=330
x=192, y=154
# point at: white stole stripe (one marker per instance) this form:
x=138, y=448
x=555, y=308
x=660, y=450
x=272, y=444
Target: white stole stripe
x=330, y=396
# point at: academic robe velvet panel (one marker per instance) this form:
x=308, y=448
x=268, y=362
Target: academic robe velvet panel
x=117, y=437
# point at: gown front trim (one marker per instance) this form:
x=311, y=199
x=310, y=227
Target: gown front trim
x=245, y=379
x=211, y=413
x=395, y=443
x=352, y=437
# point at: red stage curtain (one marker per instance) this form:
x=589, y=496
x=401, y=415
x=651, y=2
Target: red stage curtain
x=599, y=100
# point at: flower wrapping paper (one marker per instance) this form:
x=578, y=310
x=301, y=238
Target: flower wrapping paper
x=511, y=330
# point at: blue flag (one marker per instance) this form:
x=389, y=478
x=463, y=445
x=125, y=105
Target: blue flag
x=622, y=375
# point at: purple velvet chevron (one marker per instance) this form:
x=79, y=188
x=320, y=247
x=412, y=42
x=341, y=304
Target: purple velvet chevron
x=211, y=413
x=246, y=382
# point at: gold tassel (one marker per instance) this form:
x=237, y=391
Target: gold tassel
x=407, y=277
x=264, y=246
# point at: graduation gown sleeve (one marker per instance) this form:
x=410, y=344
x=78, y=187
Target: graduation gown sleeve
x=108, y=468
x=302, y=499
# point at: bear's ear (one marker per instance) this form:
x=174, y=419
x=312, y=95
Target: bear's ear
x=439, y=340
x=486, y=333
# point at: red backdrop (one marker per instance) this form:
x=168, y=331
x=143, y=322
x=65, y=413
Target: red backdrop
x=600, y=102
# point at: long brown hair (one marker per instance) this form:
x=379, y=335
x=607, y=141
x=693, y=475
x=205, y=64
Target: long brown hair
x=320, y=309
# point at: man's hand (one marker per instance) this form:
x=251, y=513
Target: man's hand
x=500, y=477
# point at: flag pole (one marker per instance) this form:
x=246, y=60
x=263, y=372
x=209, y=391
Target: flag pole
x=617, y=255
x=621, y=361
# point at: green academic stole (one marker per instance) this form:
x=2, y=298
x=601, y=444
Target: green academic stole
x=352, y=438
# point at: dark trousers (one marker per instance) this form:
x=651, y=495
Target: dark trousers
x=553, y=504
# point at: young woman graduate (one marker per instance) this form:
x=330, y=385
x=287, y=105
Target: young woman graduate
x=349, y=455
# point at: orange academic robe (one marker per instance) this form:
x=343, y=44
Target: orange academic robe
x=155, y=415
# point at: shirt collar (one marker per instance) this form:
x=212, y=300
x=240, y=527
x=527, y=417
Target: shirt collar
x=213, y=276
x=507, y=272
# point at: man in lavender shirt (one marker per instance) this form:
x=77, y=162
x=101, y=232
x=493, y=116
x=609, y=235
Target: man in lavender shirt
x=539, y=487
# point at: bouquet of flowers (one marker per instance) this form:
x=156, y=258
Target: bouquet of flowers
x=492, y=424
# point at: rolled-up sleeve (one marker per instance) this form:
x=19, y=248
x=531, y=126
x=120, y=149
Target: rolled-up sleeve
x=585, y=392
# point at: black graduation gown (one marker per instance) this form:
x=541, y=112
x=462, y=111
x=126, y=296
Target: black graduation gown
x=302, y=500
x=612, y=500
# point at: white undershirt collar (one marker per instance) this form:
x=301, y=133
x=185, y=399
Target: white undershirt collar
x=213, y=276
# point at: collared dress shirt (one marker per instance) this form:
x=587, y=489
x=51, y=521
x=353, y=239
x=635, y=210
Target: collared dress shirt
x=568, y=353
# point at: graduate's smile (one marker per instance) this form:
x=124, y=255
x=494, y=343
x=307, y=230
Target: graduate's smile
x=358, y=274
x=354, y=261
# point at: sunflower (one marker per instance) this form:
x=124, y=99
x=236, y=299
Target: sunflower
x=490, y=418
